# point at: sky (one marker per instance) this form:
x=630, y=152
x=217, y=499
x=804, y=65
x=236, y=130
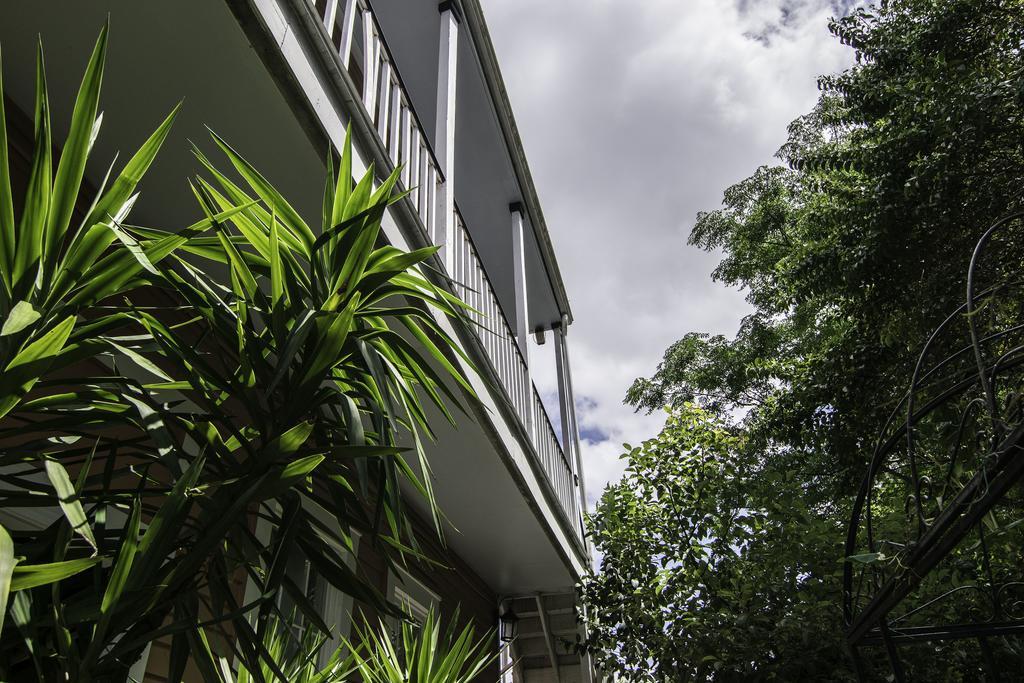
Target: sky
x=635, y=116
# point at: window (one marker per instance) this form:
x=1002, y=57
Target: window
x=414, y=597
x=334, y=606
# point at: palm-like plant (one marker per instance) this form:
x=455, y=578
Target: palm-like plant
x=58, y=260
x=425, y=653
x=303, y=389
x=296, y=379
x=295, y=655
x=54, y=268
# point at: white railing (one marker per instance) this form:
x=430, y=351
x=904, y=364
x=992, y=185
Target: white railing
x=492, y=328
x=356, y=35
x=502, y=349
x=556, y=465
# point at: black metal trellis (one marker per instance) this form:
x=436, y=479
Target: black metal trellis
x=934, y=541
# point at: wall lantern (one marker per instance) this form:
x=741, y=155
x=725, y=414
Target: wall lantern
x=509, y=624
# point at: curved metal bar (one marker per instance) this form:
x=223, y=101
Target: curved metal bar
x=959, y=435
x=911, y=393
x=934, y=601
x=881, y=451
x=972, y=324
x=999, y=361
x=956, y=383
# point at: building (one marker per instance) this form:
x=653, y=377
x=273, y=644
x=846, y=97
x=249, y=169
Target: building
x=420, y=86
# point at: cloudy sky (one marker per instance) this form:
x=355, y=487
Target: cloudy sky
x=635, y=116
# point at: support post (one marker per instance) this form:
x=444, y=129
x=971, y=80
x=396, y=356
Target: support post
x=564, y=394
x=567, y=400
x=522, y=313
x=521, y=322
x=447, y=70
x=549, y=637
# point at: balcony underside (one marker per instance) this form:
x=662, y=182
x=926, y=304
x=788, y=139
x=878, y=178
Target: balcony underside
x=195, y=49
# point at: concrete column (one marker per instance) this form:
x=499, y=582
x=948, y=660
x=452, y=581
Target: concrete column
x=447, y=70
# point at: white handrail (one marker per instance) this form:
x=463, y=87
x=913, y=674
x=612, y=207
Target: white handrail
x=364, y=53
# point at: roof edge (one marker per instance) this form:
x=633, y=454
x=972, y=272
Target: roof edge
x=481, y=39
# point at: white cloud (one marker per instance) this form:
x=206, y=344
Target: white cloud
x=635, y=116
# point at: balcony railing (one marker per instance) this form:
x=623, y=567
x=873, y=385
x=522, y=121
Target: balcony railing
x=364, y=54
x=502, y=349
x=356, y=35
x=556, y=464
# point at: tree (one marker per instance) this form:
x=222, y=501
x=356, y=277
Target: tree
x=711, y=565
x=851, y=253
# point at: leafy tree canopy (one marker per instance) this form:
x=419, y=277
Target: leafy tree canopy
x=712, y=567
x=851, y=251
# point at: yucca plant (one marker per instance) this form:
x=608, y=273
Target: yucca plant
x=296, y=655
x=59, y=259
x=56, y=266
x=424, y=653
x=306, y=391
x=298, y=377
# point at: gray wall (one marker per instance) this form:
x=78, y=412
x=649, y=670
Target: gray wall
x=412, y=30
x=485, y=183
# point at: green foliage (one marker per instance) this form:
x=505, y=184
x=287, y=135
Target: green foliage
x=296, y=655
x=711, y=565
x=52, y=267
x=850, y=253
x=178, y=388
x=853, y=252
x=425, y=654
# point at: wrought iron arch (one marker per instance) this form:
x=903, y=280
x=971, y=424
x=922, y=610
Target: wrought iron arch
x=937, y=528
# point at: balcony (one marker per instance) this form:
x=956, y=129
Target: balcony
x=364, y=57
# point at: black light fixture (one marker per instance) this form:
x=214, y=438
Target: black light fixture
x=508, y=623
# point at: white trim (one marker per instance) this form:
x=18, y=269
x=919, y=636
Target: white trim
x=447, y=71
x=348, y=22
x=316, y=81
x=522, y=313
x=330, y=16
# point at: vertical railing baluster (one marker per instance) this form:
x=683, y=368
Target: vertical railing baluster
x=394, y=135
x=383, y=108
x=414, y=165
x=478, y=298
x=432, y=207
x=422, y=194
x=406, y=145
x=369, y=61
x=330, y=17
x=348, y=25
